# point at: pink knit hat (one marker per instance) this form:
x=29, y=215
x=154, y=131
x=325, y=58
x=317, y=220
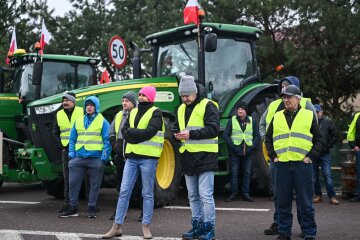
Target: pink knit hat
x=149, y=92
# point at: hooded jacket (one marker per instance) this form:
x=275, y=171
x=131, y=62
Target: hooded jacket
x=82, y=152
x=200, y=162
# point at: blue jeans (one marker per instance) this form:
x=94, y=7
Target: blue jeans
x=325, y=162
x=358, y=172
x=78, y=167
x=147, y=170
x=200, y=193
x=295, y=175
x=235, y=162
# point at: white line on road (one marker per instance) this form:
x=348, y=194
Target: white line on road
x=19, y=202
x=224, y=209
x=65, y=235
x=10, y=236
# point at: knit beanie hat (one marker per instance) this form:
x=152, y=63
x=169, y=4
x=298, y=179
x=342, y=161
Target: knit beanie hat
x=149, y=92
x=131, y=96
x=70, y=96
x=243, y=105
x=187, y=85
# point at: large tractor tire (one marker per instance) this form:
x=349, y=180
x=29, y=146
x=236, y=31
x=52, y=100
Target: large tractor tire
x=261, y=178
x=168, y=173
x=55, y=187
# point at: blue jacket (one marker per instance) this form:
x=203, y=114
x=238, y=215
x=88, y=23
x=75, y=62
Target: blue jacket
x=82, y=152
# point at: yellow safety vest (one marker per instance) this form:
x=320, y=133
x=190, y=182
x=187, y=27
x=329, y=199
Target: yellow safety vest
x=195, y=122
x=293, y=144
x=152, y=147
x=352, y=128
x=274, y=106
x=65, y=125
x=90, y=138
x=118, y=119
x=237, y=134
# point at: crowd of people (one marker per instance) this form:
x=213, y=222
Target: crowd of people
x=297, y=136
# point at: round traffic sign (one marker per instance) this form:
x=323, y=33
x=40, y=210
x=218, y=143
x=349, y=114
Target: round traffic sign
x=117, y=51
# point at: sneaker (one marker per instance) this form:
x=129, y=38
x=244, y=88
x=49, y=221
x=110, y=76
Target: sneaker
x=92, y=212
x=272, y=230
x=63, y=208
x=334, y=201
x=355, y=199
x=317, y=199
x=246, y=197
x=283, y=237
x=230, y=198
x=70, y=212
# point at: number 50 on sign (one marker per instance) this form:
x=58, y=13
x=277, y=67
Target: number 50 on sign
x=117, y=51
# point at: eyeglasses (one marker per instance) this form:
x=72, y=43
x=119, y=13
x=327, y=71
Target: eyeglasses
x=288, y=97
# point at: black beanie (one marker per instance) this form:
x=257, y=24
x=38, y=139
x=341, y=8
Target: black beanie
x=243, y=105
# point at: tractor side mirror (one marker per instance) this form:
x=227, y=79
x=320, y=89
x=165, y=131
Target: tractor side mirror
x=37, y=73
x=210, y=42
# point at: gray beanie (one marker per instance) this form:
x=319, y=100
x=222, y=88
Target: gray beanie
x=187, y=86
x=131, y=96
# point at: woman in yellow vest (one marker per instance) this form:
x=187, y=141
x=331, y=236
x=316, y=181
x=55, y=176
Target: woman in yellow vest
x=353, y=137
x=89, y=150
x=241, y=136
x=293, y=140
x=144, y=134
x=64, y=121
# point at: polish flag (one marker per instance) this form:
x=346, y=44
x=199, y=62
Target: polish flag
x=13, y=46
x=191, y=12
x=45, y=37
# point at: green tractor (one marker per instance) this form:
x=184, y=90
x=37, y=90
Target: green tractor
x=221, y=57
x=31, y=77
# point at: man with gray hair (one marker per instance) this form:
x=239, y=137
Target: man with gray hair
x=64, y=121
x=293, y=140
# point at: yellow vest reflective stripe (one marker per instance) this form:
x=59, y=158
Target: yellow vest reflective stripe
x=274, y=106
x=352, y=128
x=293, y=144
x=152, y=147
x=65, y=125
x=90, y=138
x=118, y=119
x=196, y=121
x=237, y=134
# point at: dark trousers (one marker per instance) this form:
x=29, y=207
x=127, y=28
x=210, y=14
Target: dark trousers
x=65, y=163
x=235, y=162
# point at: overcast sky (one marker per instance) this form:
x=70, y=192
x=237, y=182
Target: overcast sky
x=61, y=6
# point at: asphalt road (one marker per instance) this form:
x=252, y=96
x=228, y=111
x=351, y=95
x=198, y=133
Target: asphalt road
x=27, y=212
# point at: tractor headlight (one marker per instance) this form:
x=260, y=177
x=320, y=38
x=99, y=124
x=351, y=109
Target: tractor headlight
x=47, y=108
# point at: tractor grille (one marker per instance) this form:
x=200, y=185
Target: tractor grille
x=41, y=133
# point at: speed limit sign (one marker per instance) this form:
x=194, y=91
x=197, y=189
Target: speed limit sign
x=117, y=51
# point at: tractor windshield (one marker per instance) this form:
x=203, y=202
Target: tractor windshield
x=230, y=64
x=57, y=77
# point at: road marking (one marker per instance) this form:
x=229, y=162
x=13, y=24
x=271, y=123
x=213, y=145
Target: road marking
x=19, y=202
x=10, y=236
x=67, y=236
x=224, y=209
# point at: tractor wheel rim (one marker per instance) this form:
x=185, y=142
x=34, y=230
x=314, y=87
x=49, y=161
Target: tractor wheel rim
x=166, y=167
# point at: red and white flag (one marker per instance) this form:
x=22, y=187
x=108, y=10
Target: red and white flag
x=13, y=46
x=191, y=12
x=45, y=37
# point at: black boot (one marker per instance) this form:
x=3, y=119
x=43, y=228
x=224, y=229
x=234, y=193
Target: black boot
x=230, y=198
x=272, y=230
x=246, y=197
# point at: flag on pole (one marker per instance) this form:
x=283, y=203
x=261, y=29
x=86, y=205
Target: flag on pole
x=45, y=37
x=191, y=12
x=13, y=46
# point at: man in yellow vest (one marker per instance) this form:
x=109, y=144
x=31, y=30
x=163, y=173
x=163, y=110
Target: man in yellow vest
x=128, y=102
x=89, y=151
x=144, y=135
x=293, y=139
x=241, y=136
x=353, y=137
x=64, y=121
x=198, y=123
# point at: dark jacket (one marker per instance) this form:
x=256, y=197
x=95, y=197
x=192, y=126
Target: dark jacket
x=242, y=149
x=316, y=149
x=357, y=134
x=329, y=134
x=200, y=162
x=56, y=130
x=134, y=135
